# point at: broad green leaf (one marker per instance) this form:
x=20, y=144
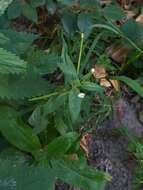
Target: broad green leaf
x=131, y=83
x=37, y=3
x=38, y=120
x=60, y=145
x=90, y=86
x=14, y=10
x=74, y=104
x=133, y=30
x=17, y=176
x=53, y=104
x=69, y=21
x=79, y=175
x=29, y=12
x=85, y=21
x=60, y=125
x=10, y=63
x=66, y=65
x=16, y=131
x=3, y=5
x=89, y=4
x=114, y=12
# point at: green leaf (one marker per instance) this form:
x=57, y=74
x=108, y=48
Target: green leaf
x=16, y=176
x=60, y=145
x=3, y=5
x=133, y=30
x=29, y=12
x=19, y=42
x=53, y=104
x=20, y=87
x=10, y=63
x=43, y=62
x=16, y=131
x=114, y=12
x=67, y=65
x=69, y=21
x=85, y=21
x=37, y=3
x=67, y=2
x=88, y=4
x=79, y=175
x=131, y=83
x=38, y=120
x=74, y=104
x=90, y=86
x=14, y=10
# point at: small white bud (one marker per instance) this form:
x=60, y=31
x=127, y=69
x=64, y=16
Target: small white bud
x=92, y=70
x=81, y=95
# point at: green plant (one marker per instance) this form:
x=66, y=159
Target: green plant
x=40, y=119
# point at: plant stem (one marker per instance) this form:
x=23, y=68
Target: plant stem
x=80, y=52
x=44, y=97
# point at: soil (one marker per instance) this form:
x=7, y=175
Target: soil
x=108, y=149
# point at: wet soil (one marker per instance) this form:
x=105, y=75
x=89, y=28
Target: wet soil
x=108, y=148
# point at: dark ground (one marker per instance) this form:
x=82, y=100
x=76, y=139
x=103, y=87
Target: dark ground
x=108, y=149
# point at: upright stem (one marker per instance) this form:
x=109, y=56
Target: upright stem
x=80, y=52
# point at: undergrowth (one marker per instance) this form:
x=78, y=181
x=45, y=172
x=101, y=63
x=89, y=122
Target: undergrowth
x=50, y=86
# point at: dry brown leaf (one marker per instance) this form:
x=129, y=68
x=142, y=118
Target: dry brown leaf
x=84, y=143
x=99, y=71
x=117, y=52
x=140, y=19
x=104, y=82
x=115, y=84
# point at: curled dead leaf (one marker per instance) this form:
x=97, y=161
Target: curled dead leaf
x=115, y=84
x=104, y=82
x=84, y=143
x=140, y=19
x=99, y=71
x=117, y=52
x=73, y=157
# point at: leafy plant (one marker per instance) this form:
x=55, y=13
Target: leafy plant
x=48, y=90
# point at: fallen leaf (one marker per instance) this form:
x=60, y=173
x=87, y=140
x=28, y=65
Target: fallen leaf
x=115, y=84
x=140, y=19
x=84, y=143
x=99, y=71
x=104, y=82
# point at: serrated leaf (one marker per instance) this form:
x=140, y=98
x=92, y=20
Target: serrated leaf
x=43, y=62
x=16, y=131
x=20, y=87
x=19, y=42
x=3, y=5
x=10, y=63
